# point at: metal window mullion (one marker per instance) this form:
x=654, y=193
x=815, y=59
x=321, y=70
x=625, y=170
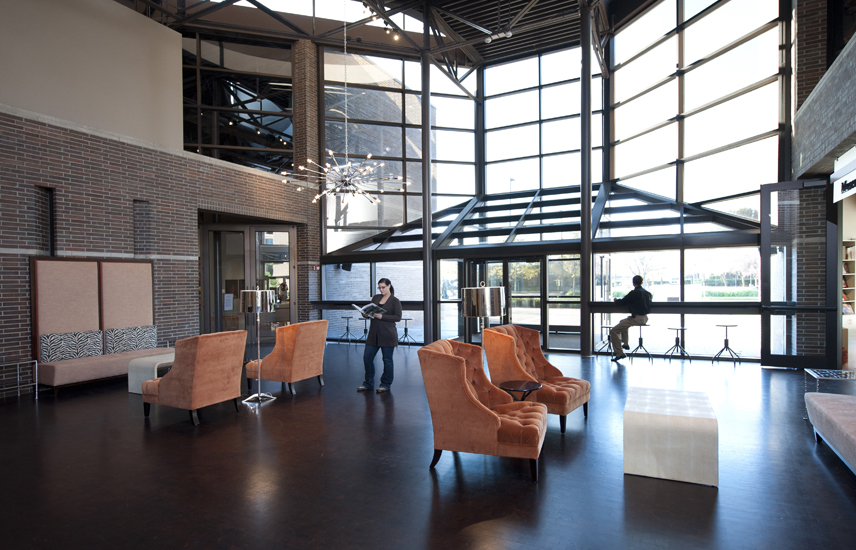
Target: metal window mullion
x=679, y=168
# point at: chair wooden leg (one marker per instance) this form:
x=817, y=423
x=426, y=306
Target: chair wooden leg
x=437, y=453
x=321, y=379
x=533, y=467
x=194, y=417
x=291, y=388
x=562, y=421
x=235, y=401
x=146, y=408
x=585, y=409
x=249, y=385
x=817, y=437
x=283, y=388
x=56, y=390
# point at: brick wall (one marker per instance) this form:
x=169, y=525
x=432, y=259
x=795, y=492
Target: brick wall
x=810, y=47
x=121, y=199
x=811, y=271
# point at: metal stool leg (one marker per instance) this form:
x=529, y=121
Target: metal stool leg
x=640, y=346
x=678, y=348
x=406, y=338
x=605, y=345
x=348, y=334
x=733, y=354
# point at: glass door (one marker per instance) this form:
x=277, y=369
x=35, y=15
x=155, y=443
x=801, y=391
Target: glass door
x=798, y=277
x=524, y=282
x=273, y=272
x=563, y=302
x=226, y=267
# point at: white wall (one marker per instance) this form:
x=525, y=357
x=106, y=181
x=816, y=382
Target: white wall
x=95, y=63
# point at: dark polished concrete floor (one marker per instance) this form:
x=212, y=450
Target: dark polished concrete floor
x=333, y=468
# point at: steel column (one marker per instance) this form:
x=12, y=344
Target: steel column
x=585, y=182
x=427, y=270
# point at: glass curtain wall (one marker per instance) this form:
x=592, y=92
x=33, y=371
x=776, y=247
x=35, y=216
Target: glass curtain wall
x=532, y=123
x=695, y=102
x=238, y=102
x=384, y=118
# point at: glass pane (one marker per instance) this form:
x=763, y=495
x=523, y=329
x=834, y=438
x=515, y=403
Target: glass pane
x=377, y=71
x=344, y=210
x=563, y=279
x=563, y=325
x=731, y=172
x=511, y=109
x=692, y=7
x=704, y=336
x=450, y=272
x=273, y=273
x=453, y=113
x=745, y=207
x=441, y=84
x=560, y=135
x=454, y=178
x=643, y=72
x=451, y=321
x=414, y=176
x=644, y=112
x=441, y=202
x=722, y=274
x=347, y=282
x=559, y=66
x=645, y=30
x=726, y=24
x=661, y=182
x=518, y=75
x=795, y=243
x=526, y=312
x=458, y=146
x=413, y=75
x=413, y=143
x=224, y=303
x=652, y=149
x=363, y=104
x=516, y=175
x=364, y=139
x=751, y=62
x=748, y=115
x=340, y=238
x=514, y=142
x=244, y=57
x=561, y=100
x=412, y=109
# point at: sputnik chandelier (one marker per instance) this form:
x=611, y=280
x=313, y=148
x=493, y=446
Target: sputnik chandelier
x=348, y=178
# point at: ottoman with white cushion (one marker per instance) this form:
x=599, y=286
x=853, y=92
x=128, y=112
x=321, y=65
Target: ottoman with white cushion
x=146, y=368
x=671, y=434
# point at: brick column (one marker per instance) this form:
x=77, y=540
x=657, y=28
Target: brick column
x=305, y=93
x=810, y=47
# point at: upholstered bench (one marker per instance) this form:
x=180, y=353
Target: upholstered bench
x=834, y=420
x=671, y=434
x=76, y=357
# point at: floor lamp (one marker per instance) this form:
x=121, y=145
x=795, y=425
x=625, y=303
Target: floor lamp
x=483, y=302
x=258, y=302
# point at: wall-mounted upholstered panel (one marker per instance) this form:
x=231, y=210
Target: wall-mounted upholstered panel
x=66, y=296
x=70, y=345
x=119, y=340
x=126, y=295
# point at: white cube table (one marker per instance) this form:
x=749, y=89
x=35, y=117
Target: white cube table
x=146, y=368
x=671, y=434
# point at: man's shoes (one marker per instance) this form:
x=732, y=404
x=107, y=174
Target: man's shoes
x=625, y=346
x=363, y=387
x=619, y=358
x=382, y=389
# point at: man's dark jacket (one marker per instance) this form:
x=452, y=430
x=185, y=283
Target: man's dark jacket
x=638, y=301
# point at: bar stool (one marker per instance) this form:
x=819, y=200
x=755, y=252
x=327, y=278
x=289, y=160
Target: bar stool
x=678, y=348
x=365, y=335
x=730, y=351
x=640, y=346
x=348, y=334
x=605, y=344
x=404, y=338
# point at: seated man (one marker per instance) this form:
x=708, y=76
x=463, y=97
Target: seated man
x=638, y=302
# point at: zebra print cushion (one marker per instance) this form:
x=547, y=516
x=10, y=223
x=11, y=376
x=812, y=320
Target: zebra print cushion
x=131, y=338
x=70, y=345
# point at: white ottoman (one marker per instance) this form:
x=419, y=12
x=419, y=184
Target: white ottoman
x=671, y=434
x=146, y=368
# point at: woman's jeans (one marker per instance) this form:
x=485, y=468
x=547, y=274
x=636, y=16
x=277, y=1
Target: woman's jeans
x=368, y=361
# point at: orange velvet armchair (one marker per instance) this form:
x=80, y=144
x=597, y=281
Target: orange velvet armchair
x=471, y=415
x=206, y=370
x=514, y=353
x=297, y=355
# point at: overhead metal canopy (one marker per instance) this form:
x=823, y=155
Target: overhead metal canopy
x=465, y=33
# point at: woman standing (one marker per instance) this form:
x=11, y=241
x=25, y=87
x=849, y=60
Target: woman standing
x=382, y=336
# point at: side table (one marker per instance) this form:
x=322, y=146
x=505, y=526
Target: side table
x=146, y=368
x=525, y=387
